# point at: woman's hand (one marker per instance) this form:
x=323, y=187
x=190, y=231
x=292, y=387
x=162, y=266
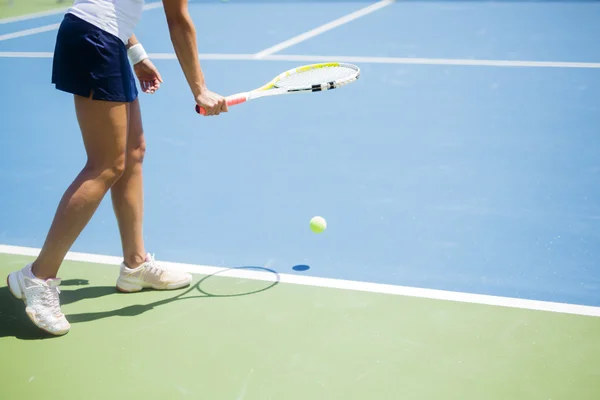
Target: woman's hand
x=148, y=76
x=213, y=104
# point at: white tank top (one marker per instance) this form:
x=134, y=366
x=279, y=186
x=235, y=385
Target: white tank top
x=118, y=17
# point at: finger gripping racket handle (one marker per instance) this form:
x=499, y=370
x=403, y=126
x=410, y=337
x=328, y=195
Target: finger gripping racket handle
x=231, y=101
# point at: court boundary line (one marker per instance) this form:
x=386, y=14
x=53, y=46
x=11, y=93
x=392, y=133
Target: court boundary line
x=34, y=15
x=52, y=27
x=350, y=59
x=331, y=283
x=29, y=32
x=324, y=28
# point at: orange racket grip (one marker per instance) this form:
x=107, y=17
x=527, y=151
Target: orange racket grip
x=231, y=101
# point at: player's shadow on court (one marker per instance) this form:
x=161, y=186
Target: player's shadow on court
x=15, y=323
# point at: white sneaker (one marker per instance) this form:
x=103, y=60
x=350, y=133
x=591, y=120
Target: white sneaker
x=151, y=275
x=41, y=300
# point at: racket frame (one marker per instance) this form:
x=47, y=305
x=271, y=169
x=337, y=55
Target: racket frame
x=271, y=88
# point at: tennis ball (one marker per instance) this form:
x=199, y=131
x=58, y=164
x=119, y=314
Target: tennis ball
x=318, y=224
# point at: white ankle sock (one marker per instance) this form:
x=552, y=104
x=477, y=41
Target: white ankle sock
x=29, y=273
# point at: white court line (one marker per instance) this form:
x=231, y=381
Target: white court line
x=434, y=61
x=205, y=56
x=324, y=28
x=28, y=32
x=26, y=54
x=52, y=27
x=350, y=59
x=338, y=284
x=152, y=6
x=33, y=15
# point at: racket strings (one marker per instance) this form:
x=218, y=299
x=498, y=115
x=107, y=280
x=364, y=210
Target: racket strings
x=316, y=76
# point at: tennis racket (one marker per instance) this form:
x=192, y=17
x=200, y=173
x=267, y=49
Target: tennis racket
x=308, y=78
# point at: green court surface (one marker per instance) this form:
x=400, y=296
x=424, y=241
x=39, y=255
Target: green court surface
x=15, y=8
x=260, y=340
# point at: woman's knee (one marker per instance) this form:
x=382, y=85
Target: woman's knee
x=117, y=169
x=136, y=142
x=137, y=151
x=109, y=170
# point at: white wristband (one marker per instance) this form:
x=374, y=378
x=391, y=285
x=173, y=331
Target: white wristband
x=136, y=53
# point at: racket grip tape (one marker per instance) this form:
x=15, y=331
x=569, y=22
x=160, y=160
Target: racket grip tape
x=231, y=101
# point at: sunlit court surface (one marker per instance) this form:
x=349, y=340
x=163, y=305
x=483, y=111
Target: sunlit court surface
x=459, y=178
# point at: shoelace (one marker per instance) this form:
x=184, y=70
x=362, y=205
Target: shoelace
x=51, y=298
x=154, y=268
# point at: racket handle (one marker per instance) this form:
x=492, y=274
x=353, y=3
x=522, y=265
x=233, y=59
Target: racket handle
x=231, y=101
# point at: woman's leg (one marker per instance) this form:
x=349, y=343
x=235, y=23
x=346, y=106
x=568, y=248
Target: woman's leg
x=104, y=130
x=138, y=271
x=127, y=194
x=103, y=127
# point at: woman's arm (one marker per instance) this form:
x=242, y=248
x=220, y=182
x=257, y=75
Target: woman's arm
x=183, y=37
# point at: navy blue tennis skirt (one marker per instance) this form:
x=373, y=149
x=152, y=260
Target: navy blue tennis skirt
x=89, y=61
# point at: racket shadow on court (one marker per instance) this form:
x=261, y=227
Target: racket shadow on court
x=15, y=323
x=229, y=280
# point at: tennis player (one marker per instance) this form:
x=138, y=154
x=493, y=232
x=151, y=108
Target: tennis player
x=95, y=48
